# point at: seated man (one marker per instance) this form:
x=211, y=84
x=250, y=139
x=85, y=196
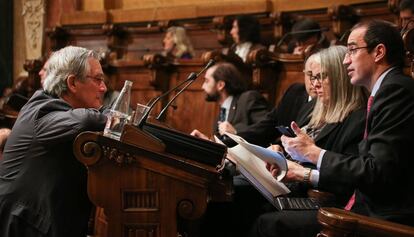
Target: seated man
x=406, y=8
x=42, y=185
x=306, y=42
x=238, y=108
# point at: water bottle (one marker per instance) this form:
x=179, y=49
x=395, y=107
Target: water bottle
x=119, y=113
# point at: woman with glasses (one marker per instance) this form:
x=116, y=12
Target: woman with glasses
x=337, y=123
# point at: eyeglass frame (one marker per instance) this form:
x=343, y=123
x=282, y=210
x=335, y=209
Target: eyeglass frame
x=98, y=79
x=319, y=77
x=352, y=51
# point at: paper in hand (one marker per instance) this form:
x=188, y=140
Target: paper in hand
x=269, y=156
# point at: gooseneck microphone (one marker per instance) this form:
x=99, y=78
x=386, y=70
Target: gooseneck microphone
x=190, y=79
x=299, y=32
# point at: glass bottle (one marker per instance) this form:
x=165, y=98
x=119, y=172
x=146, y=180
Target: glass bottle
x=119, y=113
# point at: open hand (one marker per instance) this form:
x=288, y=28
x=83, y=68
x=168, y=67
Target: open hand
x=301, y=147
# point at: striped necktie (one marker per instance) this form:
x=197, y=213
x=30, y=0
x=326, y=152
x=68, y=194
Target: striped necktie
x=351, y=201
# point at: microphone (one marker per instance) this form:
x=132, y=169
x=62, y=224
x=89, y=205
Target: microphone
x=405, y=27
x=191, y=78
x=345, y=34
x=152, y=102
x=300, y=32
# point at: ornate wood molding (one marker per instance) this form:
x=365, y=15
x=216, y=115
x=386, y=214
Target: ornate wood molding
x=33, y=15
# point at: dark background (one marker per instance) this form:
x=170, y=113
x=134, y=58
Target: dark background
x=6, y=44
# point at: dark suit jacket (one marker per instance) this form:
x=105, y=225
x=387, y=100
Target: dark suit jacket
x=246, y=109
x=344, y=138
x=41, y=183
x=341, y=137
x=293, y=106
x=382, y=173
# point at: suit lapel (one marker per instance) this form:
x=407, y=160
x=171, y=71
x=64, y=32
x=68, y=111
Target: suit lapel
x=326, y=131
x=304, y=113
x=391, y=74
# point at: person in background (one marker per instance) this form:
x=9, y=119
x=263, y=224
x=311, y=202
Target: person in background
x=177, y=44
x=239, y=108
x=43, y=188
x=245, y=32
x=43, y=73
x=305, y=43
x=406, y=13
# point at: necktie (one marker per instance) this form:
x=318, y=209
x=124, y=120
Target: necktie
x=222, y=115
x=352, y=199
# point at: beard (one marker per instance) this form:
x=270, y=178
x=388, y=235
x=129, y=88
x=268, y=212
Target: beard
x=213, y=97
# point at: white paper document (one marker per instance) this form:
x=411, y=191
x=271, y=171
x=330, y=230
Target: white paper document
x=251, y=161
x=266, y=155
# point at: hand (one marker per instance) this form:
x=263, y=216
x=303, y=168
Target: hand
x=301, y=147
x=199, y=134
x=275, y=147
x=296, y=172
x=226, y=127
x=298, y=50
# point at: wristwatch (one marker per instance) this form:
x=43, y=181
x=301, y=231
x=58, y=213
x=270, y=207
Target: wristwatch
x=306, y=176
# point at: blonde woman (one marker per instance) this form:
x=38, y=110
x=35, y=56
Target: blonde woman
x=337, y=124
x=177, y=44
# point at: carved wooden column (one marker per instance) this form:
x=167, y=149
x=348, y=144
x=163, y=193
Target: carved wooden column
x=222, y=26
x=264, y=75
x=343, y=18
x=33, y=15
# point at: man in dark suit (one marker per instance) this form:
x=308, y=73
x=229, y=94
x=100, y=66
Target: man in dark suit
x=42, y=185
x=239, y=108
x=381, y=172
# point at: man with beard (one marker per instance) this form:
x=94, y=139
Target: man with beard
x=239, y=108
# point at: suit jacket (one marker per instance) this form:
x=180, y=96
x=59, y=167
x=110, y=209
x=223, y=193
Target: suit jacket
x=246, y=109
x=382, y=172
x=41, y=183
x=343, y=137
x=293, y=106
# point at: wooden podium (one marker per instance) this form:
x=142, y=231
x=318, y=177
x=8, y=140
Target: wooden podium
x=142, y=190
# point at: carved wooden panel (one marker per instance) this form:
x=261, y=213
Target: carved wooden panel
x=140, y=200
x=141, y=230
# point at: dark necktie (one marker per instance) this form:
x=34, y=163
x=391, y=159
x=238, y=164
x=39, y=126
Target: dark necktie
x=352, y=199
x=222, y=115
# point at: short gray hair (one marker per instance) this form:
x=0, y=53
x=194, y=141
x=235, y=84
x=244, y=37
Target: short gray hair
x=70, y=60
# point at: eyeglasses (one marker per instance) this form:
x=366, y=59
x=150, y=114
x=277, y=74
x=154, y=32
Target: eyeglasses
x=319, y=77
x=97, y=79
x=352, y=51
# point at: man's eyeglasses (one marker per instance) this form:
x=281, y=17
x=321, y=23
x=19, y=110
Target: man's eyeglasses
x=352, y=51
x=319, y=77
x=97, y=79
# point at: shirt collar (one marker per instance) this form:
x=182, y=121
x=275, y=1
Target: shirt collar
x=379, y=81
x=227, y=102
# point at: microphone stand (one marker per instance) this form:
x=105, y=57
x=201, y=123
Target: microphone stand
x=152, y=102
x=298, y=32
x=191, y=78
